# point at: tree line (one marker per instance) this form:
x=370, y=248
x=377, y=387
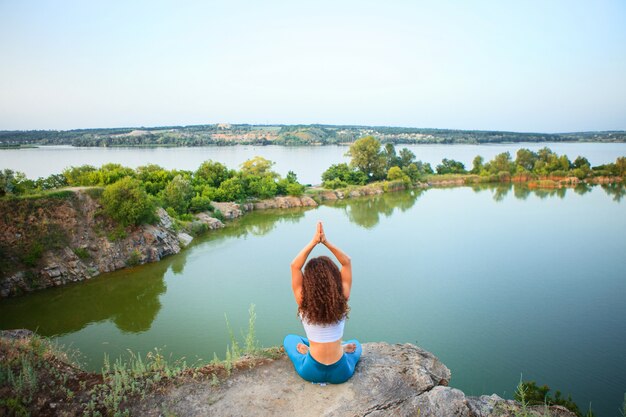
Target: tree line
x=131, y=195
x=371, y=161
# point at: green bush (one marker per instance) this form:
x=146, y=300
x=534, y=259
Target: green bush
x=127, y=202
x=334, y=184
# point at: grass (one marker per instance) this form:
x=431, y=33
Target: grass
x=529, y=395
x=82, y=253
x=35, y=371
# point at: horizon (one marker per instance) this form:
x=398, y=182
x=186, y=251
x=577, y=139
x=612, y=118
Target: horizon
x=308, y=125
x=536, y=67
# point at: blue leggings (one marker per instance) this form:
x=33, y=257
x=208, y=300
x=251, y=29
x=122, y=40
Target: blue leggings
x=311, y=370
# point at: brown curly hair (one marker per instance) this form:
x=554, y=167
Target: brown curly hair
x=323, y=301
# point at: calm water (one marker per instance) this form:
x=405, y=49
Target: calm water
x=497, y=282
x=308, y=162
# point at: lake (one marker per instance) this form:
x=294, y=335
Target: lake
x=308, y=162
x=498, y=282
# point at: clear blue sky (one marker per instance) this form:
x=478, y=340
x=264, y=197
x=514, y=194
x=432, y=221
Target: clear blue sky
x=548, y=66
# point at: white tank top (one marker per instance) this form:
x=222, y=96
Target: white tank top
x=324, y=333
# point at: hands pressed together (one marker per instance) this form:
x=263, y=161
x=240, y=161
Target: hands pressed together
x=319, y=236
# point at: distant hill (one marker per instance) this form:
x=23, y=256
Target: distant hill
x=293, y=135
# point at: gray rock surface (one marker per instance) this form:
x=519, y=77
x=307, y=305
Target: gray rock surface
x=390, y=380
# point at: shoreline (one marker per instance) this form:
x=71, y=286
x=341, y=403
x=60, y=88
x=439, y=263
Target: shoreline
x=91, y=252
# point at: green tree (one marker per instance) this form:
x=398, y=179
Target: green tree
x=15, y=183
x=213, y=173
x=258, y=166
x=450, y=166
x=233, y=189
x=127, y=202
x=178, y=194
x=80, y=175
x=526, y=159
x=395, y=173
x=344, y=174
x=391, y=159
x=620, y=165
x=501, y=163
x=406, y=157
x=477, y=165
x=367, y=157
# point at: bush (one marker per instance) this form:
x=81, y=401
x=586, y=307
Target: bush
x=334, y=184
x=127, y=202
x=199, y=204
x=178, y=194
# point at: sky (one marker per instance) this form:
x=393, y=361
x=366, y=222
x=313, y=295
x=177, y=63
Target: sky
x=531, y=66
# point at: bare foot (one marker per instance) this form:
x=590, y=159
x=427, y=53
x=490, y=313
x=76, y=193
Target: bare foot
x=302, y=348
x=349, y=347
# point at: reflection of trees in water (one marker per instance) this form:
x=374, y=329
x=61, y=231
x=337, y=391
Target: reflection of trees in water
x=582, y=188
x=617, y=191
x=521, y=191
x=365, y=211
x=130, y=298
x=257, y=223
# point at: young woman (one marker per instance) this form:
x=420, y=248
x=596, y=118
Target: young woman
x=322, y=294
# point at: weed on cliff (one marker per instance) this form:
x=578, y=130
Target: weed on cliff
x=34, y=370
x=528, y=394
x=128, y=378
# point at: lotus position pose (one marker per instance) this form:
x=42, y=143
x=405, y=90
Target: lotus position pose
x=322, y=294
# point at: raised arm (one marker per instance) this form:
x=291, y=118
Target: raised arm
x=344, y=260
x=298, y=263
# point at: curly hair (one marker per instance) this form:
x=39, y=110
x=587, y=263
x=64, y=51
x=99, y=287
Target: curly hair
x=323, y=301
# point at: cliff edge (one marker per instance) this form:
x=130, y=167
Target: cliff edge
x=390, y=380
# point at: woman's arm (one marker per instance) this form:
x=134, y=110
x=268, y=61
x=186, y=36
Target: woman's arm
x=344, y=260
x=298, y=263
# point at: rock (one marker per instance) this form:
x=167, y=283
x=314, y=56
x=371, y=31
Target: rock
x=211, y=222
x=184, y=239
x=164, y=219
x=390, y=380
x=16, y=334
x=228, y=210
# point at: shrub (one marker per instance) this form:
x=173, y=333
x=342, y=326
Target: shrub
x=127, y=202
x=334, y=184
x=178, y=194
x=134, y=258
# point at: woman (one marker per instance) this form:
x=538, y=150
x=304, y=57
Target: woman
x=322, y=294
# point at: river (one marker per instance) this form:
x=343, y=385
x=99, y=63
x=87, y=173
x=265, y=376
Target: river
x=498, y=282
x=308, y=162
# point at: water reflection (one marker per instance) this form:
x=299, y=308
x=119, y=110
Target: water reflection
x=129, y=298
x=366, y=211
x=617, y=191
x=521, y=191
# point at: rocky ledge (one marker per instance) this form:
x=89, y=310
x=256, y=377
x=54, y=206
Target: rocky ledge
x=390, y=380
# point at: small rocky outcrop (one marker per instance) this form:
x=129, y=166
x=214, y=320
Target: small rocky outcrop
x=390, y=380
x=284, y=202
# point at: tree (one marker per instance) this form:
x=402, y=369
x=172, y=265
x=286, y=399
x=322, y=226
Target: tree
x=127, y=202
x=526, y=159
x=501, y=163
x=258, y=166
x=12, y=182
x=450, y=166
x=367, y=158
x=477, y=165
x=620, y=165
x=178, y=194
x=233, y=189
x=391, y=159
x=406, y=157
x=213, y=173
x=343, y=173
x=396, y=174
x=79, y=175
